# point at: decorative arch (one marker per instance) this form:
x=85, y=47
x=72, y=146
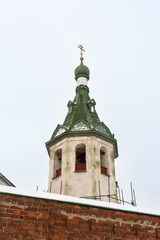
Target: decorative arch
x=57, y=163
x=80, y=152
x=104, y=160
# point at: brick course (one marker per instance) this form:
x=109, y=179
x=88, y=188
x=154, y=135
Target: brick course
x=23, y=217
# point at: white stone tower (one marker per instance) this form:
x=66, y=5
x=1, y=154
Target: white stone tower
x=82, y=150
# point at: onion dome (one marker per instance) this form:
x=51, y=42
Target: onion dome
x=81, y=71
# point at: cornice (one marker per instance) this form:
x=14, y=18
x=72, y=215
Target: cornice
x=82, y=134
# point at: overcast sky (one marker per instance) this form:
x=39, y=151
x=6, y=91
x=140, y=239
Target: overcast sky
x=38, y=55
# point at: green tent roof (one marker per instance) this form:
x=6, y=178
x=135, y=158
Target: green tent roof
x=82, y=118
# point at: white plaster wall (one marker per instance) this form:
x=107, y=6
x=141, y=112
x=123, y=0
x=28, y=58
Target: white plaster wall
x=82, y=184
x=82, y=81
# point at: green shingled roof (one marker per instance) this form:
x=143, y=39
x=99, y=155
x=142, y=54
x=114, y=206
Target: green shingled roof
x=82, y=119
x=82, y=115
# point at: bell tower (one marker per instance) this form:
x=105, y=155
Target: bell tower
x=82, y=150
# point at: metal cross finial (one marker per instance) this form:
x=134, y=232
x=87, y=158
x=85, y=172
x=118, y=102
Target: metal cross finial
x=81, y=47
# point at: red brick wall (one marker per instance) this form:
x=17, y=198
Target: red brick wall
x=40, y=219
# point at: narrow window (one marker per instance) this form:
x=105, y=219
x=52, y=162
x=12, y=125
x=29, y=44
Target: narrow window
x=80, y=158
x=104, y=160
x=57, y=163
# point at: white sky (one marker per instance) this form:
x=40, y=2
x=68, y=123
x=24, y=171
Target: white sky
x=38, y=55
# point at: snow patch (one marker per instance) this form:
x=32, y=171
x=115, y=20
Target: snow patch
x=76, y=200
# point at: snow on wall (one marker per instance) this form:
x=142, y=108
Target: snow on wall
x=76, y=200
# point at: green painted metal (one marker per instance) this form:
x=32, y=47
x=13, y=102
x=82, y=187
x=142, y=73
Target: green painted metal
x=81, y=71
x=82, y=118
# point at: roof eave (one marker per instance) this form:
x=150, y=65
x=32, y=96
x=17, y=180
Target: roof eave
x=83, y=133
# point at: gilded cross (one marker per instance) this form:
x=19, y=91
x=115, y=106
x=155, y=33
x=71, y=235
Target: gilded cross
x=81, y=47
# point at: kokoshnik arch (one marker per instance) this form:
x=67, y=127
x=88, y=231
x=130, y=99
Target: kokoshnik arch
x=82, y=150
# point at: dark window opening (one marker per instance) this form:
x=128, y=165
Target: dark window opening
x=104, y=160
x=80, y=158
x=57, y=163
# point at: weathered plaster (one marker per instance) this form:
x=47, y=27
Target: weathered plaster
x=82, y=184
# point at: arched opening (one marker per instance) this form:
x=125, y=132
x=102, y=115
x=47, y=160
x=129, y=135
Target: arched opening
x=80, y=164
x=57, y=163
x=104, y=160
